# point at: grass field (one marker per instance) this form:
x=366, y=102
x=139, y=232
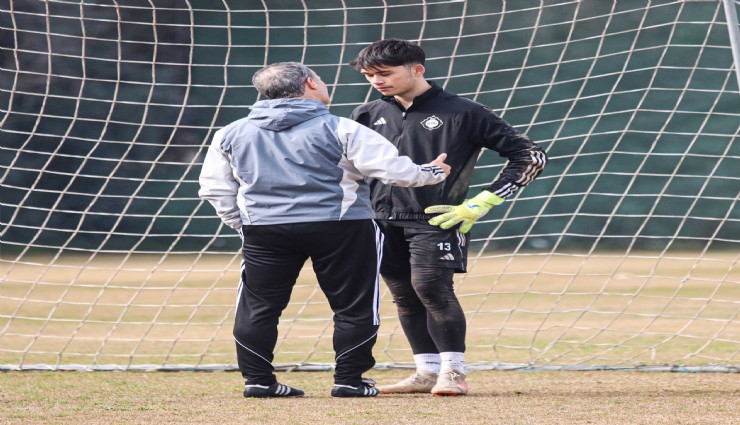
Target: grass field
x=496, y=397
x=543, y=311
x=531, y=309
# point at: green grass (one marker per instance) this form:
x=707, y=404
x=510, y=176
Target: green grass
x=545, y=310
x=495, y=397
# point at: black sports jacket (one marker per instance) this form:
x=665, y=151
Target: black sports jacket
x=437, y=122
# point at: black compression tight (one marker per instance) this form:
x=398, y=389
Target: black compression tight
x=428, y=309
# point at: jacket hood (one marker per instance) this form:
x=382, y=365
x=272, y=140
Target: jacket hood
x=280, y=114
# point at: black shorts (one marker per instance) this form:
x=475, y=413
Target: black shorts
x=418, y=246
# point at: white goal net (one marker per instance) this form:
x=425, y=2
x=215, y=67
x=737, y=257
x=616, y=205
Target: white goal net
x=623, y=254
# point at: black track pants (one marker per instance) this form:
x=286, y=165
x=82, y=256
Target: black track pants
x=345, y=257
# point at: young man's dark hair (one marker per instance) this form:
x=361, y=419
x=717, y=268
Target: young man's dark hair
x=389, y=52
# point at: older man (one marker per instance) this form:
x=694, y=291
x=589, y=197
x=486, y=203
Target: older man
x=290, y=178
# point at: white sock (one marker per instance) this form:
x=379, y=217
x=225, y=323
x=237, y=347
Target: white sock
x=452, y=360
x=427, y=362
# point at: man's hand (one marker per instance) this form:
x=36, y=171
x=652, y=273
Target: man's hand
x=440, y=162
x=468, y=212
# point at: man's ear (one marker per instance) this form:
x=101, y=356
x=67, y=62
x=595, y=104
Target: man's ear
x=311, y=83
x=418, y=70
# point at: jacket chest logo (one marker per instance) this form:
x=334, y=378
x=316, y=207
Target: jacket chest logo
x=432, y=123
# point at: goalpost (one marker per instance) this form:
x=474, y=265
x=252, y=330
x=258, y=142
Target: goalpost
x=622, y=255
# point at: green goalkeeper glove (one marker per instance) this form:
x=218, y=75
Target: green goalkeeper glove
x=468, y=212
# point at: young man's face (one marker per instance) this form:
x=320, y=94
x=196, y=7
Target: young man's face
x=393, y=80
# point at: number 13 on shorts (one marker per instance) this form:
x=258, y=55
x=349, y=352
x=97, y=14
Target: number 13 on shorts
x=444, y=246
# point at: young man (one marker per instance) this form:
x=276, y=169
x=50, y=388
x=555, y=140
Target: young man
x=423, y=251
x=290, y=179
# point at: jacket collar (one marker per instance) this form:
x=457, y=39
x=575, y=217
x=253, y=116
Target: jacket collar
x=433, y=91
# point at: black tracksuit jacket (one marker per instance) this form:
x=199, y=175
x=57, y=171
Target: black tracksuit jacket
x=437, y=122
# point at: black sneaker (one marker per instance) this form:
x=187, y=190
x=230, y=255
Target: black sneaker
x=366, y=389
x=275, y=390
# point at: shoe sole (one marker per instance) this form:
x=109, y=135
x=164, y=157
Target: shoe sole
x=268, y=395
x=405, y=392
x=352, y=395
x=271, y=395
x=345, y=395
x=450, y=393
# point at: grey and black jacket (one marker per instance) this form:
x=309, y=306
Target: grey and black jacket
x=291, y=161
x=439, y=121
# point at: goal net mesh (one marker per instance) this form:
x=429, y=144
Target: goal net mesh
x=623, y=254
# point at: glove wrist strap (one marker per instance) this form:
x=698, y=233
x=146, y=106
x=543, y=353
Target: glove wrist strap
x=489, y=199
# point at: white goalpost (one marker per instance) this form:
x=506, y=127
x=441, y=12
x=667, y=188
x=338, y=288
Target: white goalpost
x=622, y=255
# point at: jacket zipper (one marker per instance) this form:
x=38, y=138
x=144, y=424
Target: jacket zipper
x=393, y=215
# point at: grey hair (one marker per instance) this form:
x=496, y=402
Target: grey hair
x=282, y=79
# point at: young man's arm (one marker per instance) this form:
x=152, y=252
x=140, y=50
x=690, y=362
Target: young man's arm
x=525, y=163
